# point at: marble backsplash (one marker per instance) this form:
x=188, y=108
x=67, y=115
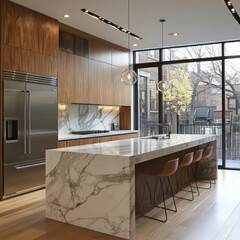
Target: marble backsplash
x=80, y=117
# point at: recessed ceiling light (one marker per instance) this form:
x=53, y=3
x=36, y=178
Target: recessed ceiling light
x=135, y=44
x=66, y=16
x=174, y=34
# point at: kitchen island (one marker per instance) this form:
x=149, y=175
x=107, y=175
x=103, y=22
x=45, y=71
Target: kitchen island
x=93, y=186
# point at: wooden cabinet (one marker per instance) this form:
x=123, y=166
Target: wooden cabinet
x=73, y=82
x=122, y=94
x=100, y=89
x=30, y=40
x=77, y=142
x=119, y=57
x=27, y=29
x=83, y=80
x=100, y=51
x=28, y=61
x=97, y=75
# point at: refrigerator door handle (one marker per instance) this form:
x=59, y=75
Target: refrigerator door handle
x=25, y=124
x=29, y=121
x=19, y=167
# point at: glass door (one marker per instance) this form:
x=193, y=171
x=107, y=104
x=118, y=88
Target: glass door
x=193, y=99
x=148, y=100
x=232, y=113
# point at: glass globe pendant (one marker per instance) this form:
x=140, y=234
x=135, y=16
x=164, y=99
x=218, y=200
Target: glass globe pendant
x=129, y=76
x=161, y=85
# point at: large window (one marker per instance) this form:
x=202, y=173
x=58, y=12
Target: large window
x=201, y=94
x=193, y=52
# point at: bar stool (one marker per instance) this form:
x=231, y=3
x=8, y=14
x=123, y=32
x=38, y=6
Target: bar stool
x=196, y=158
x=185, y=162
x=168, y=170
x=207, y=153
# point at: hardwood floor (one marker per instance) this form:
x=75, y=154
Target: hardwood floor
x=214, y=215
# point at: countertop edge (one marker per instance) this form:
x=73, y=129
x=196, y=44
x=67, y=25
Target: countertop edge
x=70, y=137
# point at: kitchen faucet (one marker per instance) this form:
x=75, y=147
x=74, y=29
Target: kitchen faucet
x=161, y=128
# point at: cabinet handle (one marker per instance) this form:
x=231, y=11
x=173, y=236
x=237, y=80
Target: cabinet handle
x=29, y=121
x=25, y=124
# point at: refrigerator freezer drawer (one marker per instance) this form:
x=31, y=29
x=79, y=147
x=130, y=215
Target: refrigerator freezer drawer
x=23, y=177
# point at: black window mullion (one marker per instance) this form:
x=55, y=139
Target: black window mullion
x=223, y=111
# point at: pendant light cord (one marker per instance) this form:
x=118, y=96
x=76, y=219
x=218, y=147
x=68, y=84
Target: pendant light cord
x=129, y=54
x=162, y=21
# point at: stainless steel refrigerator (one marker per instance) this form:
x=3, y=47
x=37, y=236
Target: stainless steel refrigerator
x=30, y=127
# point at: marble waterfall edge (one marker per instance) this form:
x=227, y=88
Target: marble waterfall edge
x=91, y=191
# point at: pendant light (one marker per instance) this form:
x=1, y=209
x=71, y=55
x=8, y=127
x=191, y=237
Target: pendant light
x=129, y=76
x=162, y=83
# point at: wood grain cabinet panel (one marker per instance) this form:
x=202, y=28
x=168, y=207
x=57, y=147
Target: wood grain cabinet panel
x=28, y=61
x=122, y=94
x=27, y=29
x=30, y=40
x=120, y=57
x=72, y=78
x=100, y=51
x=78, y=142
x=100, y=83
x=48, y=35
x=19, y=28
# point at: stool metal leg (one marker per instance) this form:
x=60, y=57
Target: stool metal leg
x=207, y=167
x=175, y=210
x=153, y=200
x=195, y=178
x=190, y=185
x=161, y=180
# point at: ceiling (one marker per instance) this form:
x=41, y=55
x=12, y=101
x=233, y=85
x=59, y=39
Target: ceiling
x=197, y=21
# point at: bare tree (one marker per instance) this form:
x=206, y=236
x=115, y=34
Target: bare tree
x=212, y=75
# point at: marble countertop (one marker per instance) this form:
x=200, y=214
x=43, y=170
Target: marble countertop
x=142, y=148
x=93, y=186
x=111, y=133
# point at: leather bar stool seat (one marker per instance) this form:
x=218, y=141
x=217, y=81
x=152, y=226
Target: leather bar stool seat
x=196, y=158
x=185, y=163
x=207, y=153
x=168, y=170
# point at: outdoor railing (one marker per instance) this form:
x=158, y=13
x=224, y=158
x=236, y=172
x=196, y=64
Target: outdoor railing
x=232, y=136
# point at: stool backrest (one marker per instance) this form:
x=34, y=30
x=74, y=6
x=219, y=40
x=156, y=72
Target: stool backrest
x=186, y=160
x=170, y=167
x=197, y=155
x=208, y=152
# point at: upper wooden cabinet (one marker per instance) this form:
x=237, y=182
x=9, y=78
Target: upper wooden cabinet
x=121, y=92
x=119, y=57
x=100, y=51
x=30, y=30
x=97, y=82
x=100, y=83
x=29, y=38
x=72, y=78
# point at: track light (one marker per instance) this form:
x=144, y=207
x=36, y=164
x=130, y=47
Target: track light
x=111, y=24
x=232, y=10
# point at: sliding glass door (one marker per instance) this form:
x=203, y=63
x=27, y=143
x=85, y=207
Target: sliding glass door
x=148, y=99
x=232, y=115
